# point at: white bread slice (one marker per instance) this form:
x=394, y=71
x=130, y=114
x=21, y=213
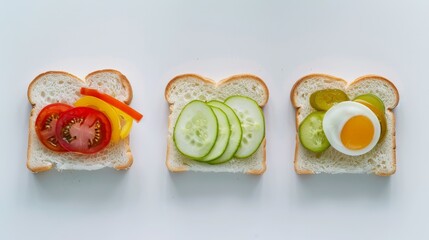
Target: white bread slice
x=185, y=88
x=55, y=86
x=381, y=160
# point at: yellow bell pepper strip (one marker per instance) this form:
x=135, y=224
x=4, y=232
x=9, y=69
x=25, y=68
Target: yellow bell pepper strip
x=126, y=123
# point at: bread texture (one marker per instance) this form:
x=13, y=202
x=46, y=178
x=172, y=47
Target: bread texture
x=61, y=87
x=185, y=88
x=381, y=160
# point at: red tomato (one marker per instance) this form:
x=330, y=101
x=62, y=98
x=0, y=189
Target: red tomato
x=83, y=130
x=46, y=123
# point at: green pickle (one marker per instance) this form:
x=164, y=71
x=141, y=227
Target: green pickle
x=377, y=107
x=324, y=99
x=311, y=133
x=374, y=100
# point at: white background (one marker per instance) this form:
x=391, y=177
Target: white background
x=151, y=42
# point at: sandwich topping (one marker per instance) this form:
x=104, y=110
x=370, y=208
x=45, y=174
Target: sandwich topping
x=351, y=127
x=86, y=128
x=46, y=123
x=214, y=132
x=83, y=130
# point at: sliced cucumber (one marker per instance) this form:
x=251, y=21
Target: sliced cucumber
x=311, y=133
x=196, y=130
x=224, y=131
x=236, y=133
x=252, y=124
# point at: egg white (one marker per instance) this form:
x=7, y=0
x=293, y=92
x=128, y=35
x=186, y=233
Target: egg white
x=337, y=116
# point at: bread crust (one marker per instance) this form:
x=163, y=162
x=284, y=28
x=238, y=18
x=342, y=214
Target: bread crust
x=129, y=155
x=264, y=160
x=223, y=81
x=295, y=86
x=217, y=84
x=256, y=78
x=295, y=161
x=293, y=96
x=30, y=86
x=124, y=82
x=386, y=174
x=171, y=168
x=178, y=78
x=383, y=79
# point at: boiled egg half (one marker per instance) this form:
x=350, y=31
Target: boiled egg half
x=351, y=128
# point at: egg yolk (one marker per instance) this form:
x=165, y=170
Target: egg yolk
x=357, y=133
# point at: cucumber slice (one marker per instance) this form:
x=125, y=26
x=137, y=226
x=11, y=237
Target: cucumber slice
x=222, y=140
x=196, y=130
x=252, y=124
x=311, y=133
x=236, y=133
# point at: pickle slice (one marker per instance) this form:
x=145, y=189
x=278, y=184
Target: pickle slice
x=380, y=115
x=311, y=133
x=374, y=100
x=323, y=100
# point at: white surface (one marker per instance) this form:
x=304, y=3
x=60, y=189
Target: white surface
x=153, y=41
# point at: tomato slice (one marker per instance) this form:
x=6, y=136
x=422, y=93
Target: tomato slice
x=83, y=130
x=113, y=101
x=46, y=123
x=102, y=106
